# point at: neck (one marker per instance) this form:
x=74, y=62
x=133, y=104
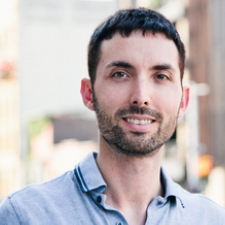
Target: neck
x=132, y=182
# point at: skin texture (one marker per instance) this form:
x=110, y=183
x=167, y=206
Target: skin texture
x=137, y=80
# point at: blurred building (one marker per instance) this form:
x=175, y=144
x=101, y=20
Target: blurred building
x=10, y=165
x=57, y=144
x=9, y=134
x=206, y=65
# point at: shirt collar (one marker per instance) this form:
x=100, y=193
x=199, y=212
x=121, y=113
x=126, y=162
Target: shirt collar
x=171, y=188
x=88, y=174
x=90, y=178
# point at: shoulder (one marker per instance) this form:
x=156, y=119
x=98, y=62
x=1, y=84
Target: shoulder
x=7, y=213
x=49, y=188
x=200, y=206
x=36, y=197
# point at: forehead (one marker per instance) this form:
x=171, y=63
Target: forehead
x=140, y=50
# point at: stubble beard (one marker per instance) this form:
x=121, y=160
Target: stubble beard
x=135, y=144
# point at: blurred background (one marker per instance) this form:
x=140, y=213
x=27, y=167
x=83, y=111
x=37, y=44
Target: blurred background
x=44, y=127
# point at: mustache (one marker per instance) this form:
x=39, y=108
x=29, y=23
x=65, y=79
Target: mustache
x=139, y=110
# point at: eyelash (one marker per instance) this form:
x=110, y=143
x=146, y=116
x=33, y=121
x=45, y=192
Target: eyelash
x=162, y=75
x=119, y=72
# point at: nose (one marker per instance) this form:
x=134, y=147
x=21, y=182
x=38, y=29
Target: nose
x=140, y=93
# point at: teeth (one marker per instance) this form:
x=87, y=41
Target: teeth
x=136, y=121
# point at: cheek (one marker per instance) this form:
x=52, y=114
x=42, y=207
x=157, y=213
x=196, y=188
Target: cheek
x=112, y=94
x=169, y=101
x=109, y=101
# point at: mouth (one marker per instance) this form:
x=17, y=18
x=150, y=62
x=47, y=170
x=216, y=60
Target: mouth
x=138, y=121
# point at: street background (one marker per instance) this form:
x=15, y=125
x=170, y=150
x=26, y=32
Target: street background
x=44, y=127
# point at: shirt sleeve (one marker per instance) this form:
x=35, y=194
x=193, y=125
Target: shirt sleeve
x=7, y=213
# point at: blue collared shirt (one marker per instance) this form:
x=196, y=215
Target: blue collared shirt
x=77, y=198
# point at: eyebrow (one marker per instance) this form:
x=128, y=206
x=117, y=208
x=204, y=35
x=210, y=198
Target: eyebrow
x=162, y=67
x=120, y=64
x=127, y=65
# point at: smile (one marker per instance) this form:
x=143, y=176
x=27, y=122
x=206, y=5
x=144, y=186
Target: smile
x=136, y=121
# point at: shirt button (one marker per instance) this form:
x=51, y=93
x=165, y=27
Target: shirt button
x=160, y=202
x=99, y=199
x=118, y=223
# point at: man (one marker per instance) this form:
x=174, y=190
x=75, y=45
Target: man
x=136, y=64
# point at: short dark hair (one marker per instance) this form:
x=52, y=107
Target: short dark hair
x=126, y=21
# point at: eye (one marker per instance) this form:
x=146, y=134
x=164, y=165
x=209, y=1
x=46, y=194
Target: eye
x=161, y=77
x=119, y=74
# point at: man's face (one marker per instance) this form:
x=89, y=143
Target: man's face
x=137, y=92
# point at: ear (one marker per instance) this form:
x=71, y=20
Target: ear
x=184, y=101
x=86, y=93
